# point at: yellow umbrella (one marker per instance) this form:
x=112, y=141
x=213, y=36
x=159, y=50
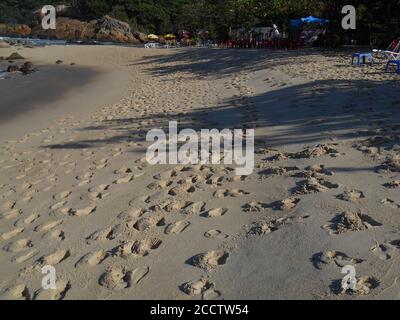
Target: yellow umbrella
x=152, y=37
x=170, y=36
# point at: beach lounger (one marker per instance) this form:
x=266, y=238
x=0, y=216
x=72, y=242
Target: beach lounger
x=393, y=62
x=392, y=53
x=151, y=45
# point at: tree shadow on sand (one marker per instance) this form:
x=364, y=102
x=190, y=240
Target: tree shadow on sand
x=216, y=63
x=302, y=114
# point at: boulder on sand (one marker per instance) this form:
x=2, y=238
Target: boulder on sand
x=110, y=29
x=4, y=44
x=12, y=68
x=15, y=56
x=27, y=68
x=141, y=36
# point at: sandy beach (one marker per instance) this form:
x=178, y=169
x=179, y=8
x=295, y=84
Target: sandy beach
x=77, y=193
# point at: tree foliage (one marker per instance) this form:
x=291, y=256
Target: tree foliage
x=375, y=18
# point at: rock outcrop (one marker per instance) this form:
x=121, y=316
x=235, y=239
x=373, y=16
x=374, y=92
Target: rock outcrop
x=104, y=29
x=16, y=30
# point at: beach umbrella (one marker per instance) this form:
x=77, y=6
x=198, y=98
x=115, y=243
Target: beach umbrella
x=152, y=37
x=170, y=36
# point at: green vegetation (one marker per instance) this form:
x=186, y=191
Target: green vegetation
x=376, y=18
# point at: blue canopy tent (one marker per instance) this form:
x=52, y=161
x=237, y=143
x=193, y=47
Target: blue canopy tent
x=309, y=20
x=301, y=36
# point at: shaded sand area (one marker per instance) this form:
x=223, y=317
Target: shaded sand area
x=84, y=79
x=79, y=194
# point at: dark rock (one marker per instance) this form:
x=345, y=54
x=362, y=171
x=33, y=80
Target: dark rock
x=27, y=68
x=12, y=68
x=15, y=56
x=59, y=62
x=141, y=36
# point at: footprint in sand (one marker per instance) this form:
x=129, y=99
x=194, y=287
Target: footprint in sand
x=85, y=177
x=157, y=186
x=95, y=196
x=255, y=206
x=63, y=195
x=338, y=258
x=9, y=205
x=215, y=213
x=125, y=179
x=62, y=287
x=11, y=234
x=55, y=258
x=149, y=222
x=363, y=286
x=211, y=293
x=314, y=185
x=194, y=208
x=185, y=188
x=174, y=205
x=216, y=181
x=116, y=278
x=209, y=260
x=19, y=292
x=351, y=195
x=48, y=226
x=165, y=175
x=58, y=205
x=216, y=234
x=58, y=234
x=383, y=251
x=392, y=185
x=238, y=179
x=391, y=203
x=224, y=193
x=276, y=171
x=196, y=287
x=319, y=169
x=139, y=274
x=109, y=233
x=177, y=227
x=131, y=214
x=264, y=227
x=26, y=256
x=143, y=248
x=18, y=246
x=11, y=214
x=100, y=188
x=92, y=259
x=84, y=211
x=139, y=248
x=29, y=219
